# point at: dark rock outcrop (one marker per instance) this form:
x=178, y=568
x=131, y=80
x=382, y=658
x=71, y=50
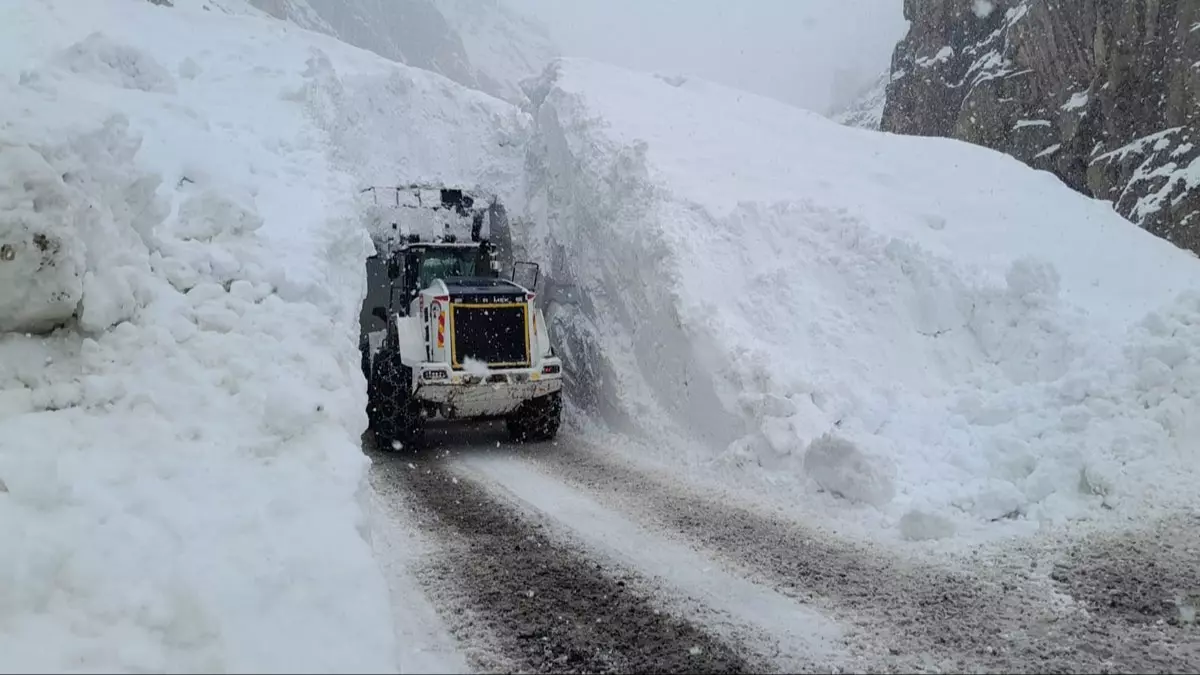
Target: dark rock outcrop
x=1103, y=93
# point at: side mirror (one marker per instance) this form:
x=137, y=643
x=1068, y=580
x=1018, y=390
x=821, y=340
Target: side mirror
x=529, y=273
x=380, y=313
x=393, y=268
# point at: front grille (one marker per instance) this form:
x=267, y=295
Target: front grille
x=495, y=334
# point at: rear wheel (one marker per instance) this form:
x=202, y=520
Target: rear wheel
x=394, y=414
x=537, y=419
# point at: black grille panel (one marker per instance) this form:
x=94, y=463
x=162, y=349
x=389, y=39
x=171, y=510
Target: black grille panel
x=493, y=333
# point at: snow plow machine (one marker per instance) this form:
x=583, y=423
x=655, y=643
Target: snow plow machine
x=443, y=334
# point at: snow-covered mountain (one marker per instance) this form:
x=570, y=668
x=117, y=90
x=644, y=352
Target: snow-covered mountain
x=919, y=336
x=481, y=44
x=503, y=45
x=866, y=109
x=1101, y=93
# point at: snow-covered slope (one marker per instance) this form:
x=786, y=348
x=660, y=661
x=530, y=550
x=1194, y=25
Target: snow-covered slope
x=925, y=328
x=866, y=110
x=181, y=484
x=503, y=45
x=480, y=44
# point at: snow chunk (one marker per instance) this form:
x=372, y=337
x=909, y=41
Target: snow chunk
x=1028, y=278
x=841, y=467
x=921, y=526
x=210, y=215
x=101, y=59
x=75, y=231
x=474, y=366
x=41, y=258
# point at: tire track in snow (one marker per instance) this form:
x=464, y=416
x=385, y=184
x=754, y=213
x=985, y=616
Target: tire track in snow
x=424, y=644
x=798, y=638
x=907, y=616
x=521, y=600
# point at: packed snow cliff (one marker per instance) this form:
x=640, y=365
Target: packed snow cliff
x=920, y=328
x=181, y=269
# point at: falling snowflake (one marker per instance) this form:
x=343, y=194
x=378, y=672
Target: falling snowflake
x=983, y=8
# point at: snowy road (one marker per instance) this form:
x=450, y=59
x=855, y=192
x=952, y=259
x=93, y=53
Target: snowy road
x=528, y=601
x=564, y=558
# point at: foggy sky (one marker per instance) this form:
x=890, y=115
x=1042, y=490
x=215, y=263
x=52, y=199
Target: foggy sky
x=810, y=53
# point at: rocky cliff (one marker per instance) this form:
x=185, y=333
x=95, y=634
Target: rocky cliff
x=1104, y=93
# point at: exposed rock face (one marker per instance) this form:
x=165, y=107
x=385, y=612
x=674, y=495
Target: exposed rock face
x=1104, y=93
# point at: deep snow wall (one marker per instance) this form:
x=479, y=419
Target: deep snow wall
x=394, y=125
x=181, y=481
x=182, y=247
x=913, y=332
x=611, y=279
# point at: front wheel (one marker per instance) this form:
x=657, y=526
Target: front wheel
x=537, y=419
x=394, y=413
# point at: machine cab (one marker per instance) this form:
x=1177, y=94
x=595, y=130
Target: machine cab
x=416, y=266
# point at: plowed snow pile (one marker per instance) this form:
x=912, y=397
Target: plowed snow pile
x=181, y=484
x=922, y=328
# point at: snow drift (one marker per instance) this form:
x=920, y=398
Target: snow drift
x=181, y=269
x=916, y=325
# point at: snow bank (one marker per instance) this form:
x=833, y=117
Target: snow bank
x=181, y=487
x=917, y=326
x=392, y=125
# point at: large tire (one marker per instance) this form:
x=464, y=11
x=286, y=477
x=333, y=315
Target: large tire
x=537, y=419
x=394, y=414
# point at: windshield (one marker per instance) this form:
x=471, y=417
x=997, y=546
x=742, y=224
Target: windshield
x=444, y=263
